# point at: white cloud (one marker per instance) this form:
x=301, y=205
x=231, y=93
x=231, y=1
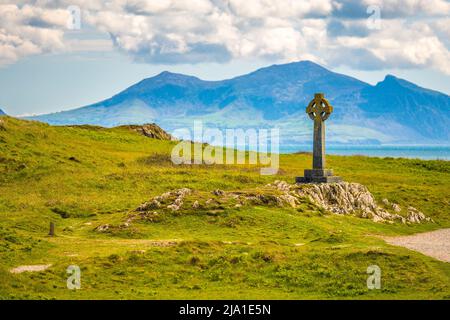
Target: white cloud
x=215, y=30
x=402, y=8
x=441, y=28
x=280, y=9
x=396, y=45
x=332, y=32
x=29, y=30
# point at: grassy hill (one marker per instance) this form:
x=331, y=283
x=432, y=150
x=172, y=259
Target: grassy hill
x=83, y=177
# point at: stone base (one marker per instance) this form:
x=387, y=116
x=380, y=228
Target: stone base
x=310, y=173
x=329, y=179
x=318, y=176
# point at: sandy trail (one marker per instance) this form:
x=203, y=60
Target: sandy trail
x=435, y=244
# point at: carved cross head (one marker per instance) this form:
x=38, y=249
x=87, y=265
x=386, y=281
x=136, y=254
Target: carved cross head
x=319, y=108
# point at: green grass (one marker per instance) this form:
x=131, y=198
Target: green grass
x=81, y=177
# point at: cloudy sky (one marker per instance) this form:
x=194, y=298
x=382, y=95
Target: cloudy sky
x=61, y=54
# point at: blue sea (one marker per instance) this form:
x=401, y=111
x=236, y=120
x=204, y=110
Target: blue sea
x=394, y=151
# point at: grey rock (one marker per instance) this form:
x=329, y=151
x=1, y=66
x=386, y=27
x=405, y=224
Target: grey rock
x=218, y=192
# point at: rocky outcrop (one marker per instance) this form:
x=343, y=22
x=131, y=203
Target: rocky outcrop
x=150, y=130
x=172, y=200
x=347, y=198
x=339, y=198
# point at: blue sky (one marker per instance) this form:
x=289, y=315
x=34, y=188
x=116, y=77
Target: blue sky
x=48, y=64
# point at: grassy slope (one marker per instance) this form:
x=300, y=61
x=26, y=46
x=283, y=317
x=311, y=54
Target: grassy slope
x=83, y=177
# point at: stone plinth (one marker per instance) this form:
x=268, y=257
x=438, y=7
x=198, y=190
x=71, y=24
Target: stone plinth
x=318, y=175
x=318, y=178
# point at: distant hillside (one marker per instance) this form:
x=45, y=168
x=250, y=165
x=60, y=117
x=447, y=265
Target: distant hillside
x=393, y=111
x=1, y=112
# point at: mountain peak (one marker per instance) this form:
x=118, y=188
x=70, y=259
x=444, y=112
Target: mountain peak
x=304, y=65
x=390, y=77
x=162, y=79
x=392, y=82
x=167, y=75
x=307, y=64
x=393, y=79
x=286, y=72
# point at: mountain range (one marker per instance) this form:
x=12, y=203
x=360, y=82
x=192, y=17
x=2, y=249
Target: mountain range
x=394, y=111
x=2, y=113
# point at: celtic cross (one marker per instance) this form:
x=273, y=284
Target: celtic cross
x=319, y=109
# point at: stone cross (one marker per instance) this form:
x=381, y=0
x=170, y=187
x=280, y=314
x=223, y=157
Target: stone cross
x=319, y=109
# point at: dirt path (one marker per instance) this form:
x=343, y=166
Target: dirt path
x=435, y=244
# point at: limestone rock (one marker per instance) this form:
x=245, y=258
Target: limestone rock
x=347, y=198
x=163, y=199
x=218, y=192
x=102, y=228
x=281, y=185
x=154, y=204
x=391, y=205
x=416, y=216
x=183, y=192
x=174, y=207
x=339, y=198
x=288, y=199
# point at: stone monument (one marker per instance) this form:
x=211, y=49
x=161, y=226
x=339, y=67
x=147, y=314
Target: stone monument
x=319, y=109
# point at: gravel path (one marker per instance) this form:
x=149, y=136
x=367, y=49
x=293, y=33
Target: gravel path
x=435, y=244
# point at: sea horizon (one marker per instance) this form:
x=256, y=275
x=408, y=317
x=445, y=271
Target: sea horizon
x=424, y=152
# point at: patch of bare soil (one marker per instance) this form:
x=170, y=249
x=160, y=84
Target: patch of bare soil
x=30, y=268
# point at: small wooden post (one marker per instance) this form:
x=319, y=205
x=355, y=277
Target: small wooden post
x=51, y=233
